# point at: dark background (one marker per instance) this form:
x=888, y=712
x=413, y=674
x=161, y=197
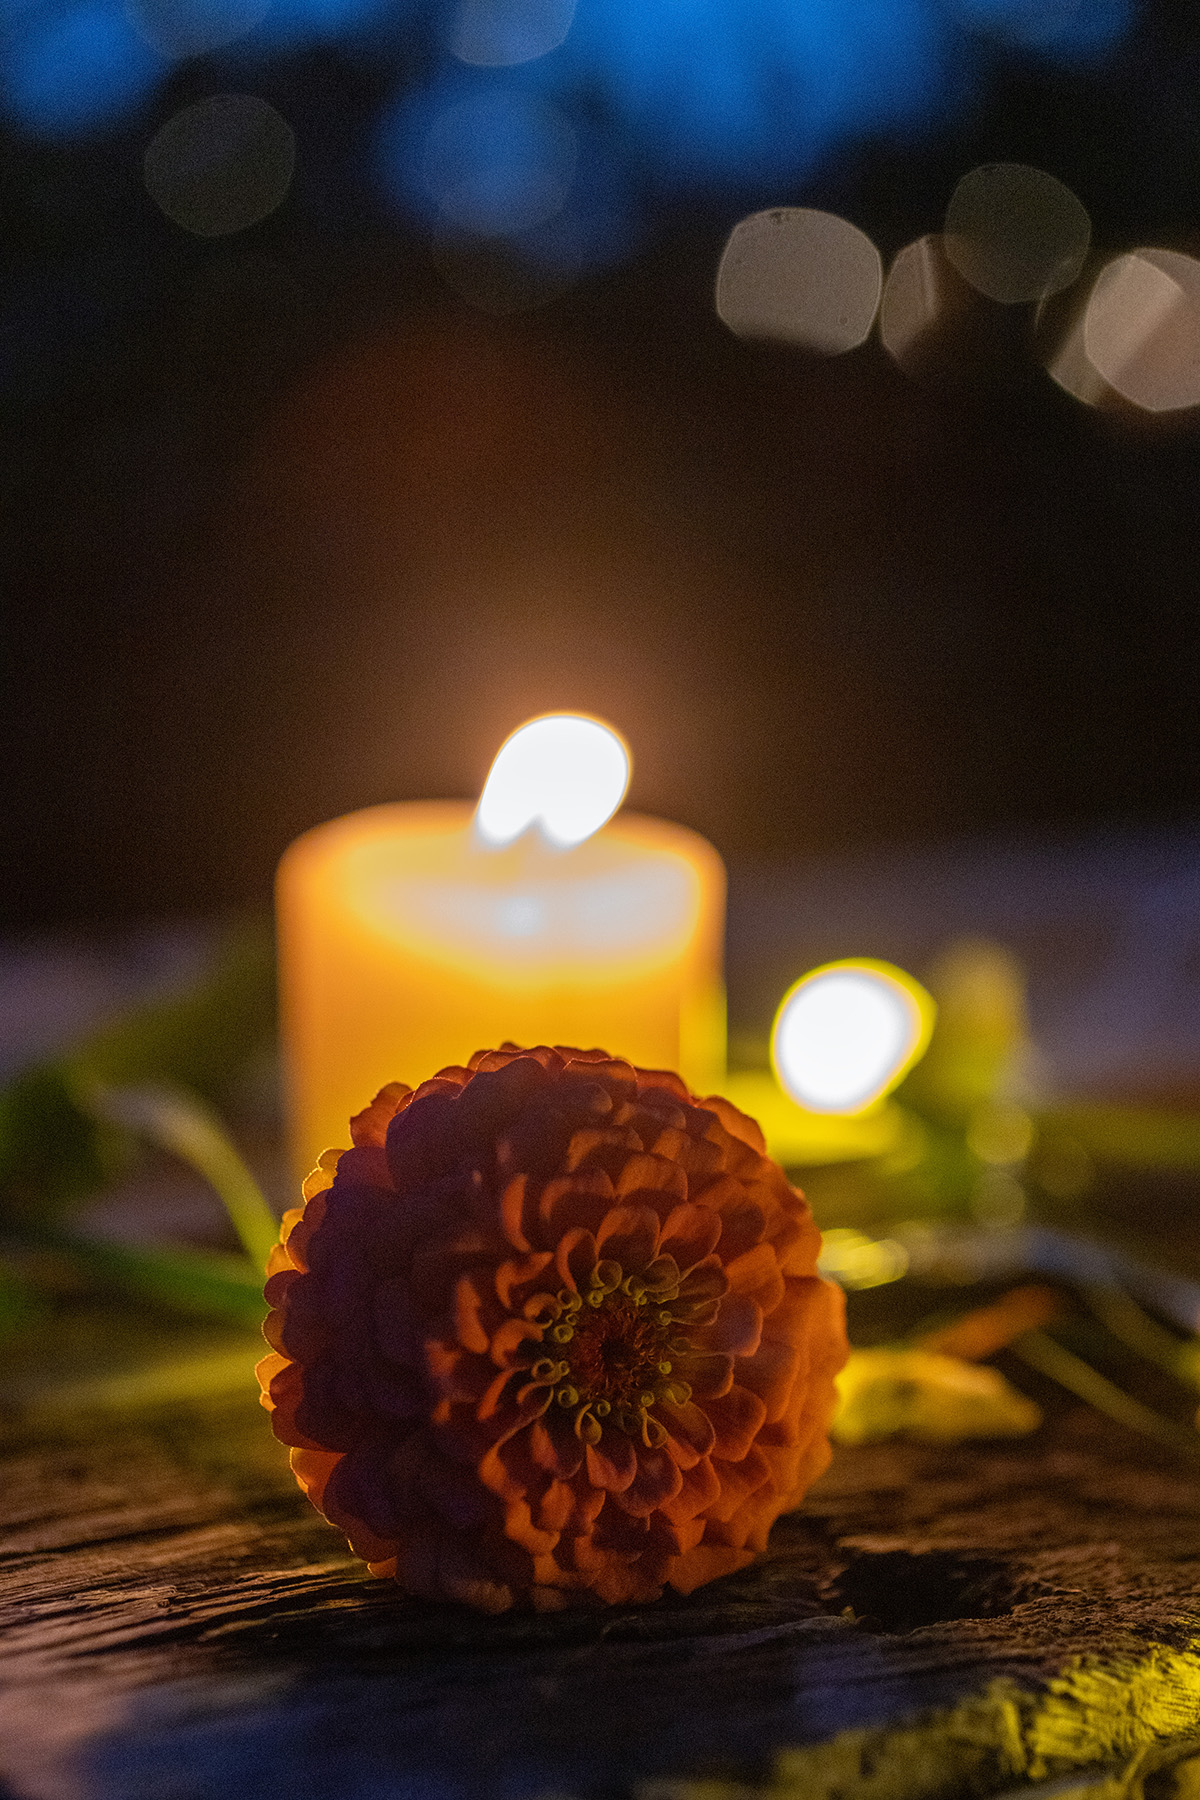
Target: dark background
x=290, y=527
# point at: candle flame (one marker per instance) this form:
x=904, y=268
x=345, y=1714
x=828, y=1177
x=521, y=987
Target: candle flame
x=566, y=773
x=847, y=1033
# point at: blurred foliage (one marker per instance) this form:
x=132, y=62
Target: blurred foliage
x=927, y=1396
x=967, y=1122
x=55, y=1148
x=982, y=1033
x=974, y=1147
x=70, y=1127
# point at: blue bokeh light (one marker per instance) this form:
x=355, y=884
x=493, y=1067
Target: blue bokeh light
x=739, y=96
x=474, y=156
x=292, y=24
x=726, y=91
x=1067, y=30
x=76, y=69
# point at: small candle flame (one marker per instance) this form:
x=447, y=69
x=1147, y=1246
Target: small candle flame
x=564, y=772
x=845, y=1034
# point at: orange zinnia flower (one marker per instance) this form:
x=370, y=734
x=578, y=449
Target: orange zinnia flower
x=551, y=1331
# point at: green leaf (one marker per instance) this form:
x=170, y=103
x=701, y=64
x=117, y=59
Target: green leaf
x=206, y=1283
x=50, y=1150
x=185, y=1126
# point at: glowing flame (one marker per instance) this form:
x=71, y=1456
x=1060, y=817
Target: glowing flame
x=845, y=1034
x=564, y=772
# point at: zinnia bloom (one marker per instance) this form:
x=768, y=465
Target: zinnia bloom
x=551, y=1332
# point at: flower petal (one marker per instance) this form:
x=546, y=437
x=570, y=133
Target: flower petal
x=513, y=1211
x=476, y=1313
x=516, y=1279
x=742, y=1227
x=689, y=1234
x=707, y=1562
x=652, y=1181
x=629, y=1236
x=739, y=1480
x=756, y=1275
x=658, y=1479
x=735, y=1417
x=612, y=1463
x=369, y=1127
x=554, y=1446
x=707, y=1281
x=555, y=1507
x=509, y=1468
x=737, y=1328
x=771, y=1374
x=706, y=1375
x=699, y=1488
x=580, y=1200
x=417, y=1138
x=620, y=1079
x=690, y=1434
x=665, y=1083
x=738, y=1124
x=576, y=1257
x=512, y=1341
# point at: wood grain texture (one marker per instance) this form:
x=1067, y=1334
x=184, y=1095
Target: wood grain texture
x=179, y=1625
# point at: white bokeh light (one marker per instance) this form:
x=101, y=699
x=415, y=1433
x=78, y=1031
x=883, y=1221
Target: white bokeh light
x=1141, y=330
x=564, y=772
x=793, y=275
x=844, y=1035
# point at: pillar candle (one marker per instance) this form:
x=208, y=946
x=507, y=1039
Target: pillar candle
x=406, y=941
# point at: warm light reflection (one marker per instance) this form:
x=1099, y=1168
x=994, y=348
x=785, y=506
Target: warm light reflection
x=846, y=1033
x=854, y=1260
x=797, y=276
x=1016, y=233
x=564, y=772
x=1141, y=329
x=925, y=307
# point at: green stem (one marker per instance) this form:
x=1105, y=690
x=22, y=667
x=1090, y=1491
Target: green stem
x=1144, y=1335
x=184, y=1125
x=1049, y=1357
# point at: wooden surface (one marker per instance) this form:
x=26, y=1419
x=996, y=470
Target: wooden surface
x=179, y=1624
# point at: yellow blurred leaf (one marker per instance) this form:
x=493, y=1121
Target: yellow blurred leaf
x=981, y=1033
x=924, y=1395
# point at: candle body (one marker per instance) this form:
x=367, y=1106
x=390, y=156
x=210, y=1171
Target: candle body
x=405, y=944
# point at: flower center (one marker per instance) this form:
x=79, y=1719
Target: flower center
x=614, y=1353
x=618, y=1351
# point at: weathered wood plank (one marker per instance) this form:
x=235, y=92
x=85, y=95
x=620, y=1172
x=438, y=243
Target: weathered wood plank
x=178, y=1624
